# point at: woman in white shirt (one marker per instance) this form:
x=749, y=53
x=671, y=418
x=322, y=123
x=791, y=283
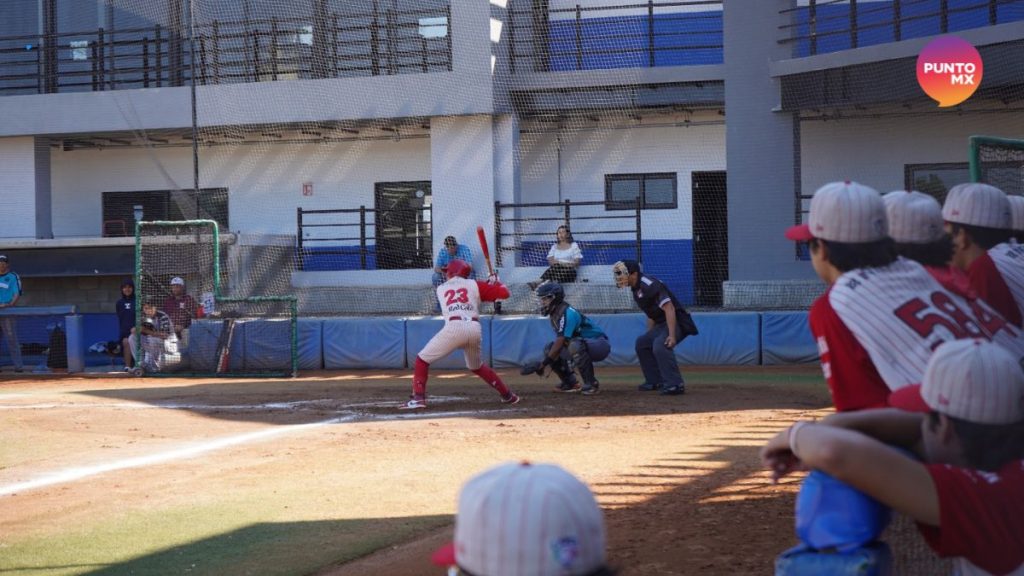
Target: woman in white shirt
x=563, y=259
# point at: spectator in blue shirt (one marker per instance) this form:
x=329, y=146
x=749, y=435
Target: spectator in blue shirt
x=10, y=291
x=452, y=251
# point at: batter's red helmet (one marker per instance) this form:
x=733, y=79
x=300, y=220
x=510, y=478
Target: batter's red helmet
x=458, y=268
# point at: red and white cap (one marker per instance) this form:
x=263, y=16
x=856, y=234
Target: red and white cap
x=1016, y=212
x=973, y=380
x=977, y=204
x=843, y=212
x=914, y=218
x=522, y=519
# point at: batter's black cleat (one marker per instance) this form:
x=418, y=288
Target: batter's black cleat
x=591, y=389
x=648, y=387
x=673, y=391
x=568, y=388
x=511, y=399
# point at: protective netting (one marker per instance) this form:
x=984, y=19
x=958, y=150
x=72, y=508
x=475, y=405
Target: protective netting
x=189, y=321
x=999, y=162
x=340, y=141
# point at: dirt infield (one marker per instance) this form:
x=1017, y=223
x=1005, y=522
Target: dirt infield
x=322, y=475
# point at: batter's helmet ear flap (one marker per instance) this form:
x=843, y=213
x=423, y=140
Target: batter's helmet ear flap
x=458, y=268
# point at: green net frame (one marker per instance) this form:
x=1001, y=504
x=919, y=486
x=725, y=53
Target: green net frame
x=210, y=229
x=979, y=143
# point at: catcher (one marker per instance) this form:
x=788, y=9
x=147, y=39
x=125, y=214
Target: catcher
x=578, y=343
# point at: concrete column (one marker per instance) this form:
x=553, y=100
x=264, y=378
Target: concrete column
x=463, y=176
x=762, y=145
x=43, y=190
x=25, y=181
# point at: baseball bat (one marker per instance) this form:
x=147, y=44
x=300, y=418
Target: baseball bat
x=486, y=250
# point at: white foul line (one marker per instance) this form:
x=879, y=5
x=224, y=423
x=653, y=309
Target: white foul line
x=73, y=474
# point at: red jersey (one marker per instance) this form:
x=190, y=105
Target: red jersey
x=877, y=327
x=998, y=276
x=461, y=297
x=851, y=375
x=981, y=519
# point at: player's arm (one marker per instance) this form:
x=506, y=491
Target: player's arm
x=492, y=292
x=567, y=324
x=878, y=470
x=889, y=425
x=670, y=321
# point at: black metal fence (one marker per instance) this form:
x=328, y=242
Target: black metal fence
x=354, y=43
x=364, y=238
x=526, y=230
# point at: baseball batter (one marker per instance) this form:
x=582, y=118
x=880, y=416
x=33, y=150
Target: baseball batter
x=882, y=316
x=460, y=300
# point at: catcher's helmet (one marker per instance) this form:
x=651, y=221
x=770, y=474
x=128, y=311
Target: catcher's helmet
x=458, y=268
x=550, y=295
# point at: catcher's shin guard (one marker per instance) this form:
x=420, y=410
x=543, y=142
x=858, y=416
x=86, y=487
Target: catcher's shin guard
x=564, y=372
x=581, y=358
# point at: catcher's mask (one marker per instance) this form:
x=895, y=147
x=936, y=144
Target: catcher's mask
x=550, y=296
x=458, y=268
x=621, y=271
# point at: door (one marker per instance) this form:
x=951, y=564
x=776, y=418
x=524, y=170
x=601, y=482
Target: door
x=710, y=237
x=402, y=225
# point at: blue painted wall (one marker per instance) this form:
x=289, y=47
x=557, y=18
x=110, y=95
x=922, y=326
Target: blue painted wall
x=690, y=38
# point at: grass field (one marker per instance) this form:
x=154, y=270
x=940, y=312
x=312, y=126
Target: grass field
x=322, y=475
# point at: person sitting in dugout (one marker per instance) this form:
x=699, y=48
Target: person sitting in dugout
x=577, y=345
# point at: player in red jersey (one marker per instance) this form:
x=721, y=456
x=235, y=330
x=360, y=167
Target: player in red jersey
x=978, y=217
x=965, y=484
x=917, y=228
x=460, y=300
x=882, y=316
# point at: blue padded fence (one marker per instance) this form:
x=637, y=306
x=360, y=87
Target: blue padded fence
x=786, y=338
x=726, y=338
x=364, y=343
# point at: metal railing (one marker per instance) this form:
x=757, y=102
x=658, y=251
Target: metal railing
x=823, y=26
x=624, y=225
x=369, y=43
x=349, y=232
x=626, y=35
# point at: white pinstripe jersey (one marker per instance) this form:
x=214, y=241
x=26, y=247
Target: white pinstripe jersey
x=459, y=297
x=1009, y=260
x=900, y=314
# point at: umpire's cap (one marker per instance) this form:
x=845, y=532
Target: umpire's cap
x=832, y=515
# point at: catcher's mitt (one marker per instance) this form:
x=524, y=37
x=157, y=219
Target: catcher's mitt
x=532, y=368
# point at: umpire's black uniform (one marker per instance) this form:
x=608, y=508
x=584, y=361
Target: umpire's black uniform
x=658, y=362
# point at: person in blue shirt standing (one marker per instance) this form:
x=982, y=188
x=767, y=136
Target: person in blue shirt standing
x=10, y=291
x=578, y=342
x=452, y=251
x=126, y=319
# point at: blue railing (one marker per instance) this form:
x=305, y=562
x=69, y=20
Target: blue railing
x=627, y=35
x=824, y=26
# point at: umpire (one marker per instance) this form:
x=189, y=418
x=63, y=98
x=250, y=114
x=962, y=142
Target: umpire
x=667, y=324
